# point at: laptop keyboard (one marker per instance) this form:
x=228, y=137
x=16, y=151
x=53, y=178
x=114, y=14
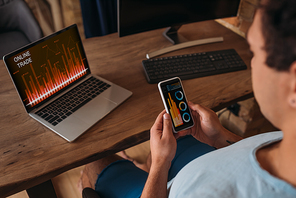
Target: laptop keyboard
x=63, y=107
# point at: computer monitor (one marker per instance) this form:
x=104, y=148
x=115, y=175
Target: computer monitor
x=135, y=16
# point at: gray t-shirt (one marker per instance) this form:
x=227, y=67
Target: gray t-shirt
x=232, y=171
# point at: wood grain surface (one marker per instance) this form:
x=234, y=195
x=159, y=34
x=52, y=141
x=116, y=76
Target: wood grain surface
x=31, y=154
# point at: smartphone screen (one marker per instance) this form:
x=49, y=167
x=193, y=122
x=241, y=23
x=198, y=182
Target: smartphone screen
x=175, y=102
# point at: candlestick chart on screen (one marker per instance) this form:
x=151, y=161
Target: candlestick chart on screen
x=175, y=113
x=56, y=63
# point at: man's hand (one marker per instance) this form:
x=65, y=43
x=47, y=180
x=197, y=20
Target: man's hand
x=208, y=128
x=163, y=144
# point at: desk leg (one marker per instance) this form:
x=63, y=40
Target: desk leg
x=44, y=190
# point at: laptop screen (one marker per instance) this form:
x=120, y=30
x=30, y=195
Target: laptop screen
x=42, y=69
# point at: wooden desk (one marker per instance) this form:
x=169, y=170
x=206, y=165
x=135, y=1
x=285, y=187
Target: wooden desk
x=31, y=154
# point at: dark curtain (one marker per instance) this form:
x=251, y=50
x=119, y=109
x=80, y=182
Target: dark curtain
x=99, y=17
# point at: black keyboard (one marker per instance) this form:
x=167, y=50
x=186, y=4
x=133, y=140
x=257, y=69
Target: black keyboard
x=190, y=66
x=70, y=102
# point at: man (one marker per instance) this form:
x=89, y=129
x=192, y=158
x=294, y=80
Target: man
x=259, y=166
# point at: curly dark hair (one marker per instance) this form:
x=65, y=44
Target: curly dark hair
x=279, y=31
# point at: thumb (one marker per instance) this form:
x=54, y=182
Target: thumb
x=167, y=125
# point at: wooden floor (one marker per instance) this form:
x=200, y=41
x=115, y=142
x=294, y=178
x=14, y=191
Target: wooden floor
x=65, y=184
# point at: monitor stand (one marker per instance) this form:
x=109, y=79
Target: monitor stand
x=171, y=33
x=180, y=42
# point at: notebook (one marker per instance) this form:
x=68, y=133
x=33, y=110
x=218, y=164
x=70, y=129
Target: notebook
x=56, y=86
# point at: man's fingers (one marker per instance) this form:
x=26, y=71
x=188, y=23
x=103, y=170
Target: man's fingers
x=195, y=107
x=167, y=125
x=158, y=122
x=201, y=110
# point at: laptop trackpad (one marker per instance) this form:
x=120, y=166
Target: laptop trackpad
x=95, y=110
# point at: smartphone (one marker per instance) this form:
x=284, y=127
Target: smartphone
x=175, y=103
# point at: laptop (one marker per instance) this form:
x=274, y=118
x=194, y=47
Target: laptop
x=56, y=86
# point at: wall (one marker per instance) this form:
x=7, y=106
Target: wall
x=54, y=15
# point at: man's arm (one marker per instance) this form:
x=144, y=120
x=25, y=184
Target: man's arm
x=163, y=147
x=226, y=138
x=156, y=184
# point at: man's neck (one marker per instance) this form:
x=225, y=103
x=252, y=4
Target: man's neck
x=279, y=159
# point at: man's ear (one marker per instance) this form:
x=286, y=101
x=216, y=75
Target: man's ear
x=292, y=95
